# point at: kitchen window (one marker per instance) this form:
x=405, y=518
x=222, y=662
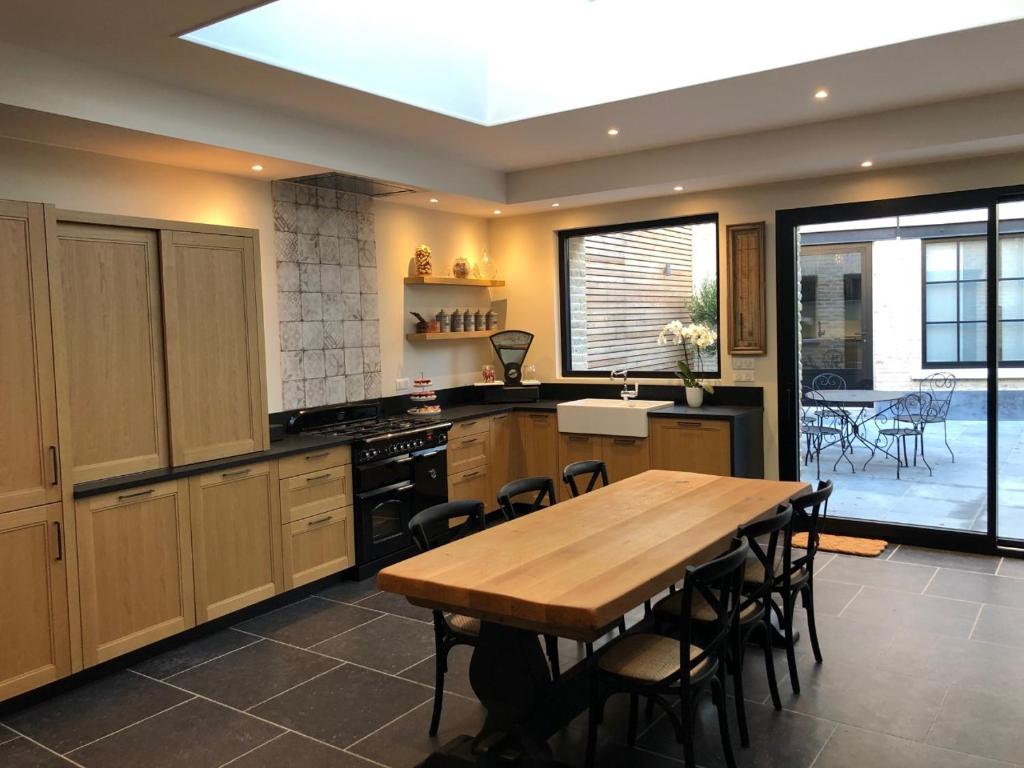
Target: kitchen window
x=955, y=300
x=621, y=284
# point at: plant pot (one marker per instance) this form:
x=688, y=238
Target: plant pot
x=695, y=396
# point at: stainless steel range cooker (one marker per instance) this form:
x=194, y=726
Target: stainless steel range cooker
x=399, y=466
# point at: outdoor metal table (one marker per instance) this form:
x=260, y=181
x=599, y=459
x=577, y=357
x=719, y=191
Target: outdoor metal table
x=861, y=400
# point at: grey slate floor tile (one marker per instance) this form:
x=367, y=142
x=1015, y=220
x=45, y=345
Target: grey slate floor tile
x=389, y=644
x=22, y=753
x=854, y=748
x=308, y=622
x=292, y=749
x=194, y=653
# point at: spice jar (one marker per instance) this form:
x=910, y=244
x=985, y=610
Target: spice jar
x=444, y=321
x=492, y=320
x=478, y=320
x=467, y=321
x=456, y=321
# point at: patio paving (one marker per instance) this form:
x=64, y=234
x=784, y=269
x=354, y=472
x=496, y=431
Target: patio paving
x=953, y=497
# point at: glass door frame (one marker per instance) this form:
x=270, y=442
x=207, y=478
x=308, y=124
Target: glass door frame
x=788, y=360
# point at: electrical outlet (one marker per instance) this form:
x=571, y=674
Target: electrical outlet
x=742, y=364
x=746, y=376
x=402, y=385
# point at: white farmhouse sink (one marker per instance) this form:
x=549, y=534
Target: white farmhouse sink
x=597, y=416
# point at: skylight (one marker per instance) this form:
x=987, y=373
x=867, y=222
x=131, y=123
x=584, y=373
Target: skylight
x=497, y=61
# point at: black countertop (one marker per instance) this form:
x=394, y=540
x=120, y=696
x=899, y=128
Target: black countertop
x=295, y=444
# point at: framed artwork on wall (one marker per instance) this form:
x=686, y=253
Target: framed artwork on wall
x=748, y=324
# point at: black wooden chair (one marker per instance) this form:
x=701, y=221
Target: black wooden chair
x=592, y=470
x=658, y=667
x=794, y=576
x=766, y=557
x=542, y=488
x=432, y=528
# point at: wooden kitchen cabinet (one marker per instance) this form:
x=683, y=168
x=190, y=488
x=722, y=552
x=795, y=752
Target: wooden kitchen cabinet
x=572, y=448
x=216, y=389
x=135, y=568
x=29, y=461
x=691, y=445
x=108, y=288
x=625, y=456
x=35, y=649
x=318, y=546
x=472, y=484
x=499, y=456
x=236, y=538
x=467, y=452
x=536, y=446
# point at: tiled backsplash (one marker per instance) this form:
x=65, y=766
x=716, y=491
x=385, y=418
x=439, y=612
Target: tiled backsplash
x=327, y=295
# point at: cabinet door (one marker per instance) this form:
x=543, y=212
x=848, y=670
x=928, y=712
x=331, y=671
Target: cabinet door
x=467, y=452
x=571, y=448
x=29, y=474
x=691, y=445
x=216, y=387
x=473, y=484
x=318, y=546
x=236, y=538
x=625, y=456
x=499, y=456
x=315, y=493
x=109, y=286
x=537, y=446
x=34, y=612
x=135, y=568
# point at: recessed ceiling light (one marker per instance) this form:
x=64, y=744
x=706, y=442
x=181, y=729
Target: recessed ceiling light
x=613, y=131
x=867, y=164
x=677, y=188
x=434, y=200
x=821, y=94
x=257, y=167
x=497, y=211
x=555, y=205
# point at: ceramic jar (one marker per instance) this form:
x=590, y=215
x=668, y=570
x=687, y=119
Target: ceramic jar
x=456, y=321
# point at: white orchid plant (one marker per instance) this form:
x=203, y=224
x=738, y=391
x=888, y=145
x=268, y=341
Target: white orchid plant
x=697, y=337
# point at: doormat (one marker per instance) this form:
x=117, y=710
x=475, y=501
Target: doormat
x=846, y=545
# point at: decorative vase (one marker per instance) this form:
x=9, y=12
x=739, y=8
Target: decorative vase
x=695, y=396
x=460, y=268
x=423, y=265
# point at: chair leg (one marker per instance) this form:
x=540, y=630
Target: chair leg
x=808, y=598
x=551, y=646
x=592, y=722
x=737, y=687
x=790, y=605
x=718, y=694
x=634, y=705
x=440, y=667
x=686, y=711
x=769, y=662
x=945, y=439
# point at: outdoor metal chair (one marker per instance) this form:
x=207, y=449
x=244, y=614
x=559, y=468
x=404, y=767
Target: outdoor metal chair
x=904, y=420
x=823, y=426
x=941, y=386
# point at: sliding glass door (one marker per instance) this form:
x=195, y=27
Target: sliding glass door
x=1009, y=308
x=901, y=364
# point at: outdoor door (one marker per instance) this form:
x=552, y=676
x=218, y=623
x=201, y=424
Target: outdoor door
x=1009, y=308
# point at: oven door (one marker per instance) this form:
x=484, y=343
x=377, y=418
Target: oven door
x=383, y=520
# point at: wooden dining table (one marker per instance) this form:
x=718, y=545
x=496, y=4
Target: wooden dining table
x=572, y=570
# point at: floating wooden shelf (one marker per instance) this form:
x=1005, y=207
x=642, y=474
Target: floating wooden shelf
x=450, y=336
x=469, y=282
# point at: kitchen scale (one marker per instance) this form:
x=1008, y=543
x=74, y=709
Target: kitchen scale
x=511, y=348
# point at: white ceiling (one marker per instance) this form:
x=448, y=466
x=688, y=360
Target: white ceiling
x=124, y=66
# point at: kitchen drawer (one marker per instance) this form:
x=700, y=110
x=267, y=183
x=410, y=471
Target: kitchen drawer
x=318, y=546
x=467, y=452
x=691, y=445
x=315, y=493
x=130, y=495
x=471, y=485
x=314, y=460
x=472, y=427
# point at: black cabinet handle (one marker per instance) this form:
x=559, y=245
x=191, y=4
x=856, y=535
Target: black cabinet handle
x=314, y=478
x=314, y=456
x=319, y=520
x=136, y=495
x=236, y=473
x=60, y=541
x=56, y=466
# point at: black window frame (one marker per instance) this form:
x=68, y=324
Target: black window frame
x=565, y=235
x=931, y=365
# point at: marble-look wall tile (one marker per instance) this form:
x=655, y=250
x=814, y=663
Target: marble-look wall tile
x=327, y=295
x=289, y=305
x=293, y=394
x=336, y=392
x=354, y=387
x=291, y=366
x=334, y=362
x=316, y=392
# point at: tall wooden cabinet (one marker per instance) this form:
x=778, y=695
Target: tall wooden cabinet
x=500, y=466
x=109, y=293
x=135, y=568
x=34, y=617
x=236, y=538
x=29, y=460
x=216, y=388
x=536, y=445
